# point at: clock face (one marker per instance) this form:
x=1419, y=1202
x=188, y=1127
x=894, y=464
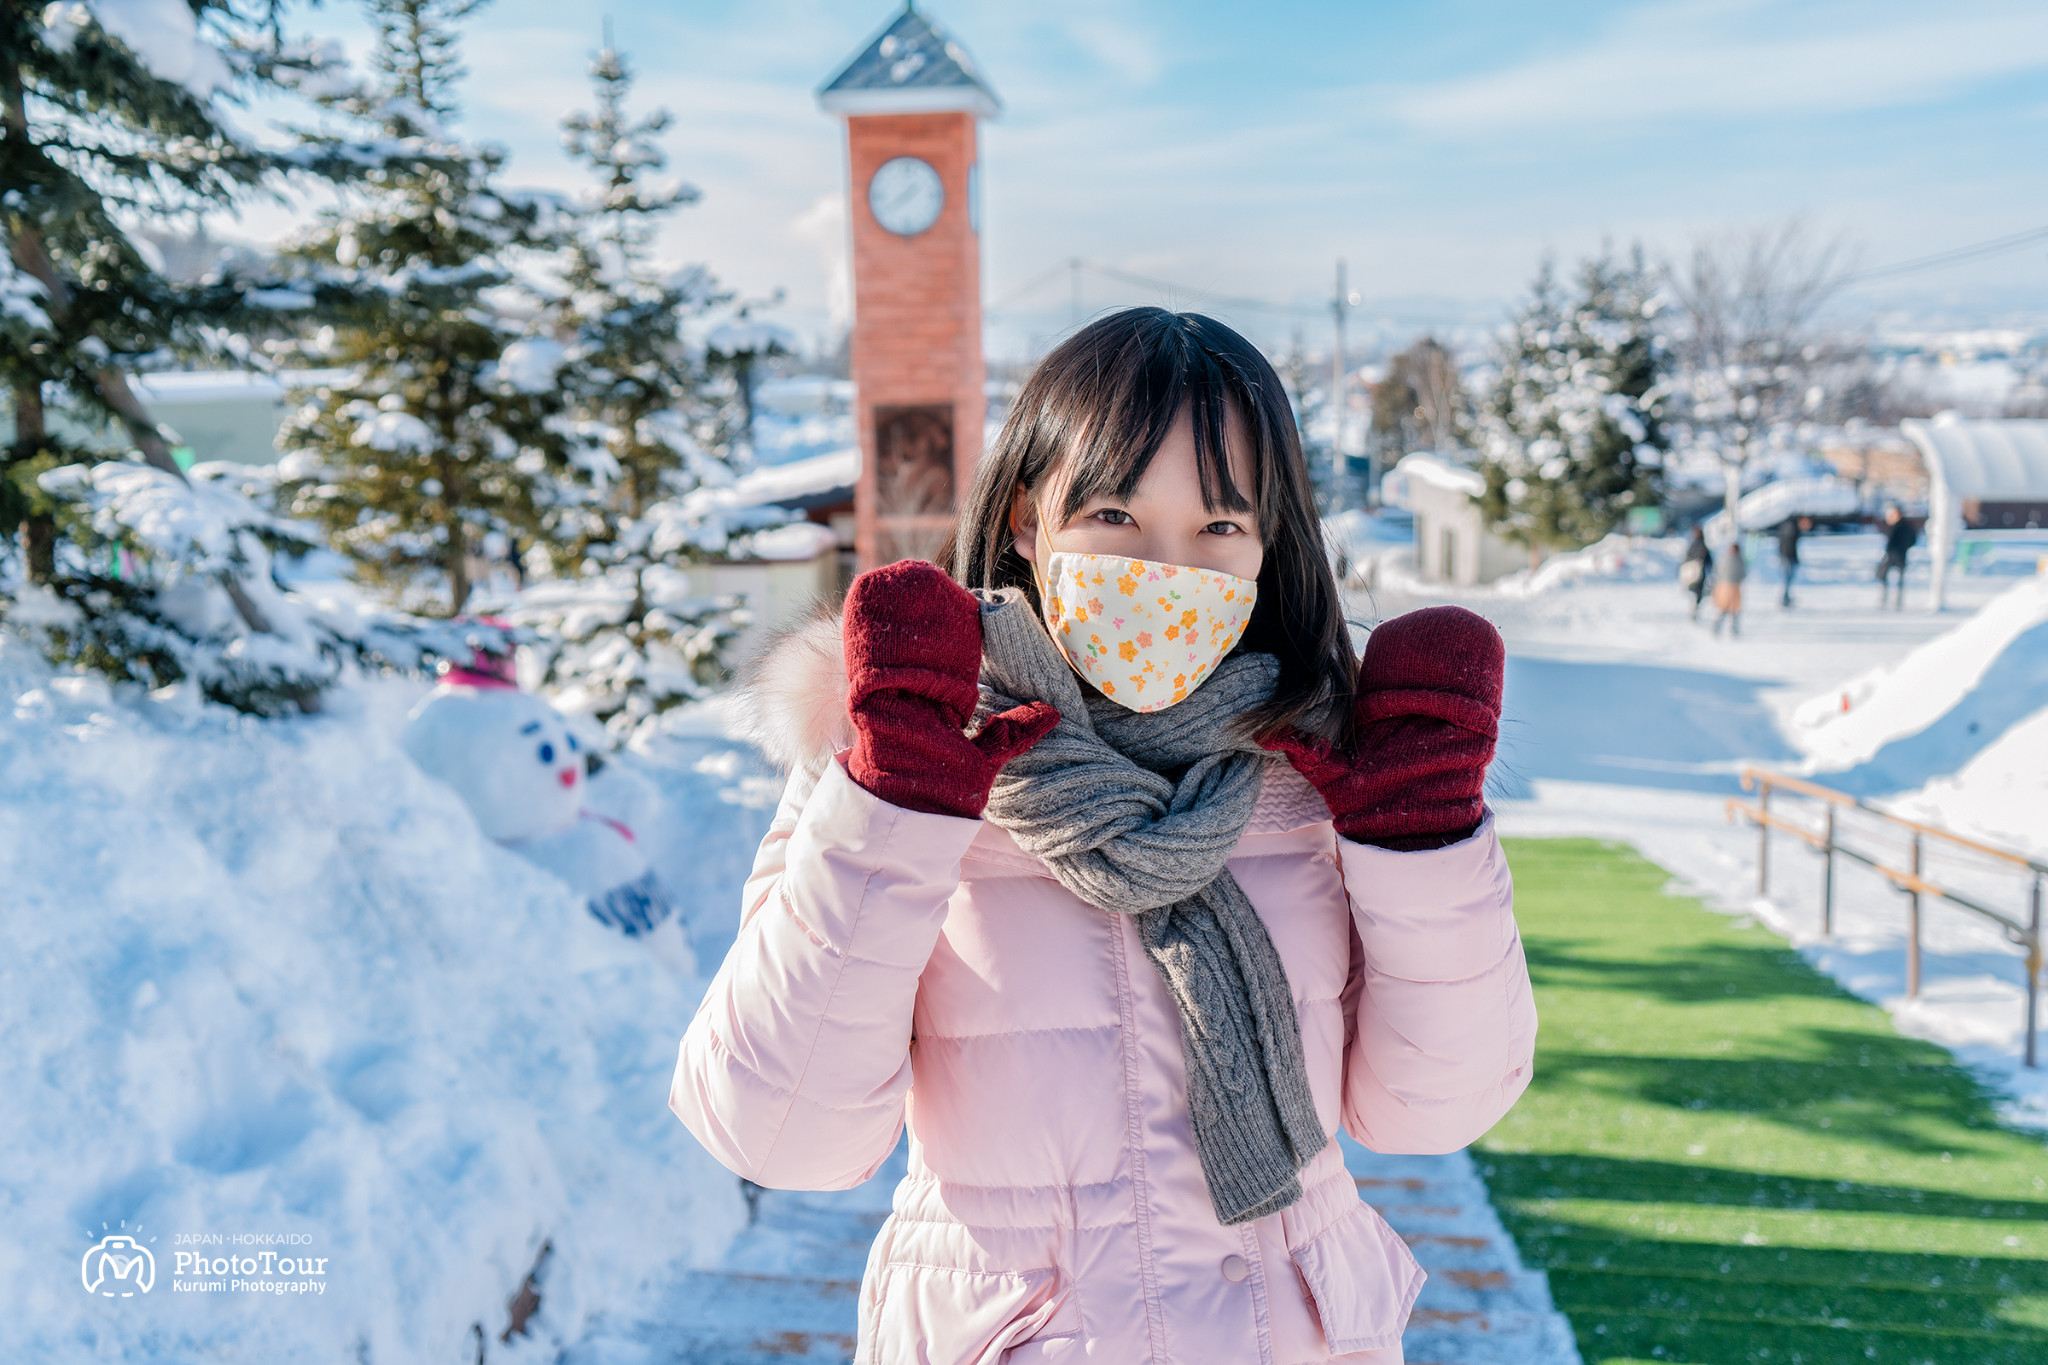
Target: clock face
x=906, y=195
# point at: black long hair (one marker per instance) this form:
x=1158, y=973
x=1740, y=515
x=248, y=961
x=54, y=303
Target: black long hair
x=1098, y=408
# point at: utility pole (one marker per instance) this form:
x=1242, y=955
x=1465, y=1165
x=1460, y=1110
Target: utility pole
x=1339, y=473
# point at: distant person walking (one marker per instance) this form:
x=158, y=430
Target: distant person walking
x=1899, y=538
x=1789, y=531
x=1697, y=569
x=1730, y=568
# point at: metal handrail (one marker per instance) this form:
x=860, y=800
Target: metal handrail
x=1754, y=777
x=1909, y=880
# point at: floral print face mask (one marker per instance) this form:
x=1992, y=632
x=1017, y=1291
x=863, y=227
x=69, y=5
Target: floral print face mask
x=1145, y=634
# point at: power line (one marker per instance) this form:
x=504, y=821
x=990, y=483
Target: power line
x=1953, y=256
x=1025, y=290
x=1169, y=287
x=1190, y=291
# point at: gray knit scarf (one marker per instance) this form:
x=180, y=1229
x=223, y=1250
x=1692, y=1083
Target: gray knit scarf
x=1137, y=814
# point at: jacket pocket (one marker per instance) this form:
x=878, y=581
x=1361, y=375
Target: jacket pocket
x=933, y=1315
x=1362, y=1279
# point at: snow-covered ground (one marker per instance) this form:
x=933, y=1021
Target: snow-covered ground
x=1625, y=719
x=265, y=980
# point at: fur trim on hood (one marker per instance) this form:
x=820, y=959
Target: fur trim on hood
x=791, y=699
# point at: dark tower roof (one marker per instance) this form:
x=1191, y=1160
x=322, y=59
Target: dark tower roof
x=911, y=67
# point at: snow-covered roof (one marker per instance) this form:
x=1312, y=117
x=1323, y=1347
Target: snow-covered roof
x=746, y=334
x=2001, y=459
x=1440, y=472
x=1775, y=502
x=217, y=386
x=911, y=67
x=799, y=541
x=801, y=483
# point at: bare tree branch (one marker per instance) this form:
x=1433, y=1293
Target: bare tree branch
x=1752, y=306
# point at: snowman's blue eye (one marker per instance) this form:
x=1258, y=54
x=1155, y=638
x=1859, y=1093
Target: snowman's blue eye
x=547, y=753
x=573, y=745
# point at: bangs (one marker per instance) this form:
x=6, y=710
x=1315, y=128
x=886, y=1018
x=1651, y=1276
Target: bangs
x=1145, y=385
x=1087, y=424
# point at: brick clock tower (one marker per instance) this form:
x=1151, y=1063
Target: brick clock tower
x=912, y=101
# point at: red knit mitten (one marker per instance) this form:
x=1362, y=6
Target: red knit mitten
x=1428, y=709
x=913, y=664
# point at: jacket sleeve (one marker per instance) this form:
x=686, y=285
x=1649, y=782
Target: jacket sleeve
x=794, y=1071
x=1442, y=1021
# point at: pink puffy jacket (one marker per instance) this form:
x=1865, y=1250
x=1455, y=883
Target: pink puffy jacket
x=894, y=966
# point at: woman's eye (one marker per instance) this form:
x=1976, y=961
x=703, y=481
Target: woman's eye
x=1114, y=516
x=1224, y=528
x=547, y=753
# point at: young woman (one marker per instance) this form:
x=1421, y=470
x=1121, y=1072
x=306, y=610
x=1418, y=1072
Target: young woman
x=1116, y=877
x=1731, y=567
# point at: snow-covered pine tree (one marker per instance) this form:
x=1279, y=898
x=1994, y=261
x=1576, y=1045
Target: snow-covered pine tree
x=620, y=637
x=1571, y=436
x=617, y=323
x=112, y=116
x=439, y=446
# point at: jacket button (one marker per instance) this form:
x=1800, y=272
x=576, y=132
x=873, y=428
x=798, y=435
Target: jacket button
x=1234, y=1269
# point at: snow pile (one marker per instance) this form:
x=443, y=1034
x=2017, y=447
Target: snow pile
x=1617, y=559
x=2000, y=796
x=266, y=978
x=1900, y=724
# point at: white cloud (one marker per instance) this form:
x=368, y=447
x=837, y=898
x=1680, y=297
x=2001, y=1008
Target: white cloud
x=1742, y=58
x=824, y=226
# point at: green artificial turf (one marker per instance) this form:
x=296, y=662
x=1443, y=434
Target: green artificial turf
x=1725, y=1157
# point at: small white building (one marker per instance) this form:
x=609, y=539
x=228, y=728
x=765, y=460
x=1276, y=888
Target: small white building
x=1989, y=472
x=1452, y=544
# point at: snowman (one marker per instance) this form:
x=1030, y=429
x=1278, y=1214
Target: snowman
x=515, y=763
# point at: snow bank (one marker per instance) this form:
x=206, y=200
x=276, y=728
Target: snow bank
x=2000, y=796
x=1617, y=559
x=1925, y=716
x=265, y=978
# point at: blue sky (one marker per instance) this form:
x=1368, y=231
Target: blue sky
x=1439, y=148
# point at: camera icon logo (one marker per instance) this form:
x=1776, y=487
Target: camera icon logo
x=118, y=1266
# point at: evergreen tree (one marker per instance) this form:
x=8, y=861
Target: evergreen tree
x=109, y=116
x=439, y=445
x=1572, y=433
x=620, y=635
x=634, y=385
